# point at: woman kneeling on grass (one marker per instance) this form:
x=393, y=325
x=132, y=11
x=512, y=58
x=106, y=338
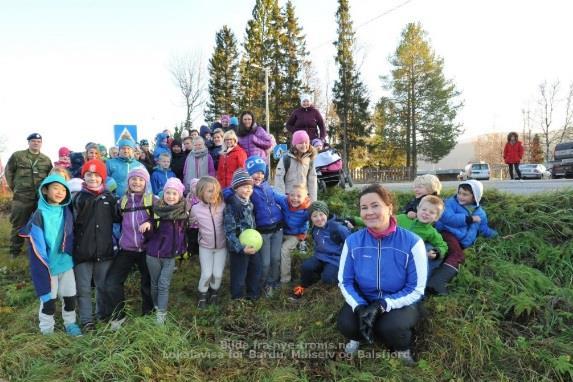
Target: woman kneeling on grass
x=382, y=276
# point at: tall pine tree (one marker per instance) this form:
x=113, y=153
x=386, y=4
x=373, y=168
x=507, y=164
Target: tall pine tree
x=273, y=41
x=295, y=56
x=223, y=76
x=261, y=50
x=425, y=103
x=350, y=95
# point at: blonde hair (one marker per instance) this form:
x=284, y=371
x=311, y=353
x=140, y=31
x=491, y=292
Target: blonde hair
x=164, y=155
x=61, y=171
x=229, y=134
x=431, y=182
x=203, y=184
x=198, y=139
x=435, y=201
x=301, y=187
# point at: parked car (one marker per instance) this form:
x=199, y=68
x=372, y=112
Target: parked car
x=478, y=171
x=564, y=160
x=534, y=171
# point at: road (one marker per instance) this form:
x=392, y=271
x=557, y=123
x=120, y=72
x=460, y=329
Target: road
x=510, y=186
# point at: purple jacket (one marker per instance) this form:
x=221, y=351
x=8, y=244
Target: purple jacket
x=133, y=215
x=307, y=119
x=168, y=239
x=256, y=142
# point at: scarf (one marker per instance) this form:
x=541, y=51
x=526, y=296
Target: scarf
x=177, y=211
x=387, y=232
x=197, y=163
x=96, y=192
x=303, y=206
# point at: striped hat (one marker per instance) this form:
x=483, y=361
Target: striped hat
x=320, y=206
x=241, y=178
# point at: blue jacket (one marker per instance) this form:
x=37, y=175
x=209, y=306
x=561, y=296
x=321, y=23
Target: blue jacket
x=391, y=270
x=329, y=240
x=118, y=168
x=267, y=211
x=455, y=220
x=295, y=221
x=38, y=250
x=159, y=178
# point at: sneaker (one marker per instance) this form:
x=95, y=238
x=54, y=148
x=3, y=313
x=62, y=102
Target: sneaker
x=352, y=347
x=406, y=357
x=297, y=293
x=268, y=291
x=202, y=300
x=48, y=332
x=115, y=325
x=160, y=317
x=301, y=246
x=214, y=297
x=73, y=330
x=88, y=327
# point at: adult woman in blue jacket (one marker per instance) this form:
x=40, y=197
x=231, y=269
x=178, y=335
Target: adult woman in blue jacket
x=382, y=276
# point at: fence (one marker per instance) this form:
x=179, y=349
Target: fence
x=373, y=175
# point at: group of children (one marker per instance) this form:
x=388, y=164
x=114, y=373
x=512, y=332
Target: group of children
x=161, y=219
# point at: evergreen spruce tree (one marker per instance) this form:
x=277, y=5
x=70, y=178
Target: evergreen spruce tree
x=350, y=95
x=425, y=103
x=261, y=50
x=223, y=76
x=294, y=58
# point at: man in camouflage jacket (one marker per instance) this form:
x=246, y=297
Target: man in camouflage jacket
x=25, y=171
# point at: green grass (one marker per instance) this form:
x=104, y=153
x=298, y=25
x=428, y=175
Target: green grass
x=509, y=318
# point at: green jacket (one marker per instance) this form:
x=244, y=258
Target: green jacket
x=426, y=232
x=25, y=172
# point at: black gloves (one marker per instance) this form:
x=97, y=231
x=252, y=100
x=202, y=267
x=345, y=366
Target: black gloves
x=367, y=315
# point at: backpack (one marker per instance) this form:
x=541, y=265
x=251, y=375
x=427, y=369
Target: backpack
x=147, y=204
x=286, y=163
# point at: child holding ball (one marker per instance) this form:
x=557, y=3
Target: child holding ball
x=245, y=260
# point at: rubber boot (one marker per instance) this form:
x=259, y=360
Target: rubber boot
x=440, y=278
x=202, y=301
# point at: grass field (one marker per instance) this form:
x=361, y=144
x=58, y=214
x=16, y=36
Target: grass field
x=508, y=318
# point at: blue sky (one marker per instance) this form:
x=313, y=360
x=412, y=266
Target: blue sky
x=71, y=69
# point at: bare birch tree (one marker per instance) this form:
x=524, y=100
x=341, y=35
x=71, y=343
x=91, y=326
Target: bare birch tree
x=546, y=102
x=187, y=73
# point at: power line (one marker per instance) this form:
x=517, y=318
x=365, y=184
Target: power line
x=371, y=20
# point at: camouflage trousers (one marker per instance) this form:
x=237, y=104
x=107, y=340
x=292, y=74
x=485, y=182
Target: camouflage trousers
x=19, y=216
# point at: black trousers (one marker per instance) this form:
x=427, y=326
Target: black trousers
x=393, y=328
x=517, y=170
x=122, y=265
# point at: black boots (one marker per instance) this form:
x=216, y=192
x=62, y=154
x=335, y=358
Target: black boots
x=213, y=297
x=440, y=277
x=202, y=301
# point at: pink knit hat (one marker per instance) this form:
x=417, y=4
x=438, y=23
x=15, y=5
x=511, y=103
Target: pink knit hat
x=300, y=136
x=175, y=184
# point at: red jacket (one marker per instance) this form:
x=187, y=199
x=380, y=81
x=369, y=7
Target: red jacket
x=228, y=163
x=513, y=153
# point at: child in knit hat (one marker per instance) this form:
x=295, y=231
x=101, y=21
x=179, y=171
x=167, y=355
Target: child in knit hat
x=297, y=166
x=94, y=210
x=268, y=218
x=63, y=158
x=136, y=209
x=328, y=236
x=245, y=261
x=167, y=241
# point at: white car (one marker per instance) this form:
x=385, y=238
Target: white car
x=478, y=171
x=534, y=171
